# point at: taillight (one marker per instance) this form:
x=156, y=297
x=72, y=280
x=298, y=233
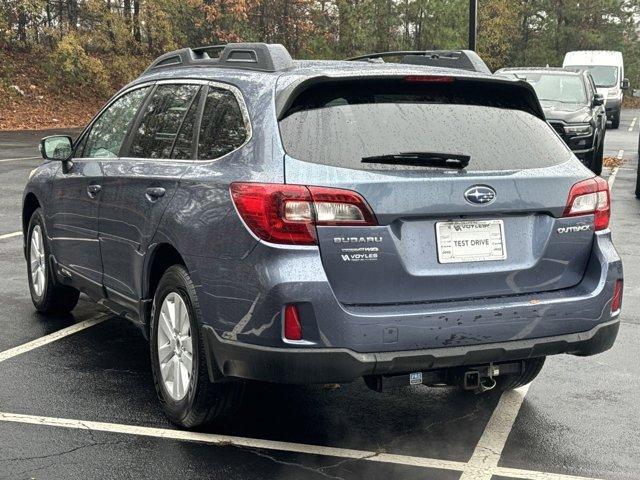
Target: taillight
x=616, y=300
x=590, y=197
x=292, y=326
x=288, y=214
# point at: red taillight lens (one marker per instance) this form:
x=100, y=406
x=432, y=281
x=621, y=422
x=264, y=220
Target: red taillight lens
x=288, y=214
x=590, y=197
x=292, y=327
x=616, y=300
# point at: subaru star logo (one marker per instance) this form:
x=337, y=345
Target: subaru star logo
x=480, y=195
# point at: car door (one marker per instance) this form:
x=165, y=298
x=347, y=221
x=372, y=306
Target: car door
x=599, y=112
x=138, y=185
x=77, y=192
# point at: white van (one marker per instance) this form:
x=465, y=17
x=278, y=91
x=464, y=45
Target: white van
x=607, y=70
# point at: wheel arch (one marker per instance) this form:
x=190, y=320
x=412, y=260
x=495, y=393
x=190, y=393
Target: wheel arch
x=159, y=258
x=29, y=205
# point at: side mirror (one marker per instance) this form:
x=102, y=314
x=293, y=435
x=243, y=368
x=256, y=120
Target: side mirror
x=56, y=147
x=625, y=84
x=598, y=99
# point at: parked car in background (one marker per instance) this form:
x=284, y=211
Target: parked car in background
x=607, y=69
x=290, y=221
x=572, y=107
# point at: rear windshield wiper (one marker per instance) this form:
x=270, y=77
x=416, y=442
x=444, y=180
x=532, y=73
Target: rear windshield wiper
x=421, y=159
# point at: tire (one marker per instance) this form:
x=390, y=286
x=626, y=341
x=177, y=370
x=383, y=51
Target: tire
x=48, y=296
x=193, y=400
x=532, y=367
x=615, y=120
x=597, y=159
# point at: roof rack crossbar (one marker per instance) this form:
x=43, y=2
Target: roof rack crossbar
x=266, y=57
x=460, y=59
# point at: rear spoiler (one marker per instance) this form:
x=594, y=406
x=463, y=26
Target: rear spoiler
x=460, y=59
x=493, y=91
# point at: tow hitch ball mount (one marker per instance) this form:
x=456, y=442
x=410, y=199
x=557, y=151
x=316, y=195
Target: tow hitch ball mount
x=479, y=378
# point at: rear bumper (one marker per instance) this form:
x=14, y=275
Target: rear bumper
x=339, y=365
x=244, y=333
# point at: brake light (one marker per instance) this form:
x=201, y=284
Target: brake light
x=288, y=214
x=429, y=78
x=292, y=326
x=590, y=197
x=616, y=300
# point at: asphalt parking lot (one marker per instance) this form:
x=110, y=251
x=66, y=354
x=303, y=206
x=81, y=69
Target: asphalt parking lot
x=77, y=398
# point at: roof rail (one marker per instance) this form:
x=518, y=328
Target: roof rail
x=265, y=57
x=460, y=59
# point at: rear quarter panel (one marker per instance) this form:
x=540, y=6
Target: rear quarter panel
x=201, y=221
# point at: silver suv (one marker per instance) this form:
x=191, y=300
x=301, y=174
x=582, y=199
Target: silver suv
x=321, y=221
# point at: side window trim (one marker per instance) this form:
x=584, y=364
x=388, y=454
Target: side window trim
x=198, y=95
x=89, y=127
x=198, y=124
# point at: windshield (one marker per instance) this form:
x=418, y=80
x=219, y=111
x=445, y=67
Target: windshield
x=557, y=87
x=603, y=75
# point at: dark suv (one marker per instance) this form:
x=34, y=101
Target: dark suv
x=321, y=221
x=572, y=106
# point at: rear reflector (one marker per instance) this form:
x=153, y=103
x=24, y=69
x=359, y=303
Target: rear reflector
x=292, y=327
x=590, y=197
x=616, y=300
x=288, y=214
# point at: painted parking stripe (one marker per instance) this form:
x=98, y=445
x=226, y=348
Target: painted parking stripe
x=224, y=440
x=17, y=159
x=614, y=171
x=52, y=337
x=489, y=448
x=632, y=124
x=274, y=445
x=10, y=235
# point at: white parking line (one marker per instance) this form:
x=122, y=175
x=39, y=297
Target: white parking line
x=489, y=448
x=614, y=171
x=632, y=124
x=16, y=159
x=10, y=235
x=225, y=440
x=52, y=337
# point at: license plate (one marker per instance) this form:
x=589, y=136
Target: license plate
x=470, y=241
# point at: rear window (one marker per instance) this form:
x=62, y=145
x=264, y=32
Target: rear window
x=340, y=126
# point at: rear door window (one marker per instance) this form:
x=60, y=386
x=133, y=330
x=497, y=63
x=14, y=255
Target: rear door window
x=223, y=127
x=161, y=120
x=342, y=125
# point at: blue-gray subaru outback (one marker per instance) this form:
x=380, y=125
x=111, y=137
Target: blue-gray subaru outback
x=320, y=221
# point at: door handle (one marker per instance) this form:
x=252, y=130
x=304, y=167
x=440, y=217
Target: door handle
x=93, y=190
x=155, y=193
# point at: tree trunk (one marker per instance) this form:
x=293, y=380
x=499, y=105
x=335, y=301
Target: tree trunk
x=22, y=26
x=72, y=13
x=136, y=22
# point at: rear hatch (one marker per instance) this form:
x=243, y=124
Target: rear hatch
x=443, y=232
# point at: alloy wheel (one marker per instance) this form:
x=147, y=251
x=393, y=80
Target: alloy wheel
x=175, y=347
x=37, y=263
